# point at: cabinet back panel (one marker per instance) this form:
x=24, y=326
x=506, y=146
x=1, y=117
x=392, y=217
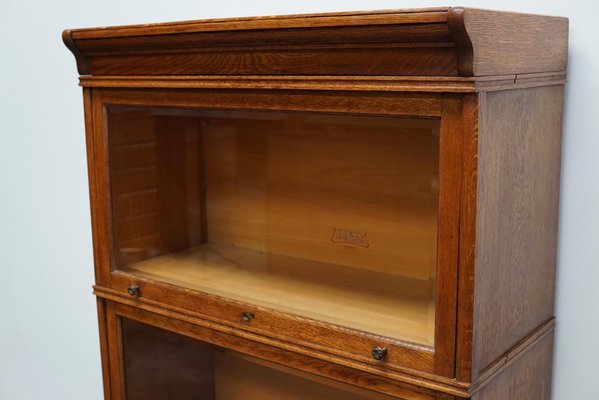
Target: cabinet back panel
x=354, y=191
x=325, y=189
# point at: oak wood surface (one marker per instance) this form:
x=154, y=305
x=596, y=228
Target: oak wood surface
x=241, y=377
x=99, y=181
x=349, y=18
x=299, y=82
x=513, y=355
x=373, y=380
x=453, y=123
x=98, y=200
x=436, y=84
x=518, y=191
x=342, y=343
x=508, y=43
x=494, y=79
x=470, y=115
x=367, y=102
x=115, y=353
x=528, y=378
x=104, y=350
x=434, y=42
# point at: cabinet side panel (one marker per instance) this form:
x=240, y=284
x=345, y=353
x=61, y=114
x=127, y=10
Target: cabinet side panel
x=518, y=189
x=514, y=43
x=528, y=378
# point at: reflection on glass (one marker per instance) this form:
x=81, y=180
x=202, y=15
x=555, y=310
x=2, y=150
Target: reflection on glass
x=332, y=217
x=160, y=365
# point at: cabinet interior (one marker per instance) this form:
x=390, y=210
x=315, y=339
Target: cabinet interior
x=160, y=365
x=331, y=217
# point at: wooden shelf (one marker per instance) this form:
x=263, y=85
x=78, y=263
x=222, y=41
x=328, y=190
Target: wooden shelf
x=377, y=303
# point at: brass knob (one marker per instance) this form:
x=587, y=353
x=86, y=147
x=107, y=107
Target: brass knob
x=379, y=353
x=133, y=290
x=246, y=316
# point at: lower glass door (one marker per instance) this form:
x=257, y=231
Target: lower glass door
x=160, y=365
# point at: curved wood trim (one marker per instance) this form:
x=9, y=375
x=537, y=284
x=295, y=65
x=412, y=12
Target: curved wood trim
x=82, y=62
x=446, y=42
x=385, y=17
x=464, y=49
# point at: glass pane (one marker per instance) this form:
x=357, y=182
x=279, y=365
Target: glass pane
x=332, y=217
x=159, y=365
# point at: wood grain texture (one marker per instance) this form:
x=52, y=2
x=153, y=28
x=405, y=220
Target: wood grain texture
x=367, y=102
x=350, y=18
x=494, y=79
x=435, y=42
x=528, y=378
x=237, y=376
x=115, y=353
x=518, y=191
x=225, y=40
x=356, y=60
x=505, y=362
x=104, y=350
x=329, y=340
x=295, y=360
x=470, y=115
x=512, y=43
x=281, y=82
x=453, y=123
x=97, y=164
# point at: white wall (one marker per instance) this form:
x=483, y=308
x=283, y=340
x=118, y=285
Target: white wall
x=48, y=331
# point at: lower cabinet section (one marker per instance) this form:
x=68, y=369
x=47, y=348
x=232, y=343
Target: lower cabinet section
x=150, y=353
x=160, y=365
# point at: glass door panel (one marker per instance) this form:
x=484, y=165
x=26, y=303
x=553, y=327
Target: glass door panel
x=331, y=217
x=160, y=365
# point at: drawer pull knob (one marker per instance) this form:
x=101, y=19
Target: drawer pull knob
x=246, y=316
x=133, y=290
x=379, y=353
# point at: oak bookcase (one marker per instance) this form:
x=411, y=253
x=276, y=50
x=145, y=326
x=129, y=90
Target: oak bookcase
x=332, y=206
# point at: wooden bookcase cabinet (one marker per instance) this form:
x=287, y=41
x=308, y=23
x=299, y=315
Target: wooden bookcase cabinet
x=353, y=205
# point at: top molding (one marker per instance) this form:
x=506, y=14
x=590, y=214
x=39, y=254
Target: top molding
x=454, y=42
